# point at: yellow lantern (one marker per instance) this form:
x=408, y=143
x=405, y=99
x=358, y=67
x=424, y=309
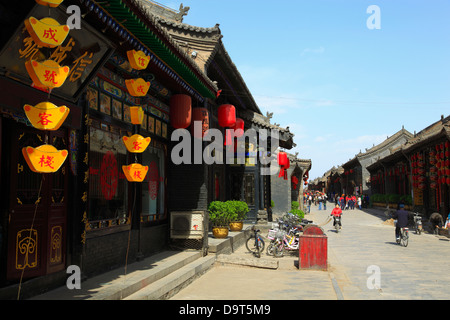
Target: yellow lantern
x=135, y=172
x=46, y=115
x=47, y=32
x=137, y=87
x=45, y=158
x=138, y=60
x=48, y=74
x=136, y=143
x=49, y=3
x=137, y=115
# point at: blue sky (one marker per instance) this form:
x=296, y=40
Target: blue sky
x=339, y=86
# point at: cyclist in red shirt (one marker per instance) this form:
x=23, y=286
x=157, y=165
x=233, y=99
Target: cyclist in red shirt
x=337, y=212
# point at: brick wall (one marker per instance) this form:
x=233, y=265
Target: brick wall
x=108, y=252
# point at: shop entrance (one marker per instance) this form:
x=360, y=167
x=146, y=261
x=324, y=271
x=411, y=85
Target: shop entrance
x=35, y=204
x=244, y=186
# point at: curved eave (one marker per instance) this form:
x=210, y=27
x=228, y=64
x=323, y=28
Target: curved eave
x=129, y=20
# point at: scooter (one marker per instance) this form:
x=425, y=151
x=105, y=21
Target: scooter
x=337, y=223
x=418, y=223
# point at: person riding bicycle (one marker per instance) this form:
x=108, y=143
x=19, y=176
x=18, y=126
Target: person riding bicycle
x=402, y=220
x=337, y=212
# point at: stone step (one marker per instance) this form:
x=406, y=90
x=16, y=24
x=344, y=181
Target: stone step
x=116, y=285
x=169, y=285
x=153, y=272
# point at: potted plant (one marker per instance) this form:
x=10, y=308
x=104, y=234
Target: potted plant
x=220, y=215
x=239, y=214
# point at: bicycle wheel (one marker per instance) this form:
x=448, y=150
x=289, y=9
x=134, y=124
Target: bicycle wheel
x=250, y=244
x=278, y=249
x=405, y=238
x=270, y=249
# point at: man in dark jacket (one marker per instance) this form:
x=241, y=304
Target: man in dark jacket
x=402, y=220
x=436, y=222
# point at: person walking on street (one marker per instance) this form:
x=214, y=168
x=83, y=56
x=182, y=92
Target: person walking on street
x=350, y=202
x=342, y=202
x=402, y=220
x=359, y=202
x=309, y=203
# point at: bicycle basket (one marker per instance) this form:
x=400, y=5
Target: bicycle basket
x=280, y=234
x=272, y=234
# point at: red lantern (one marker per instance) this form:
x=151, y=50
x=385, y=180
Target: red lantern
x=201, y=115
x=238, y=128
x=180, y=111
x=227, y=115
x=294, y=182
x=284, y=163
x=283, y=159
x=448, y=181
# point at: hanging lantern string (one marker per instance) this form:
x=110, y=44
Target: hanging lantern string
x=129, y=239
x=29, y=239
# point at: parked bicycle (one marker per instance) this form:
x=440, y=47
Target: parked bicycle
x=255, y=243
x=273, y=235
x=289, y=242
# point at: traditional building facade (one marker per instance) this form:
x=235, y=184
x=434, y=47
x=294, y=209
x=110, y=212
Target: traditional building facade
x=353, y=177
x=284, y=191
x=230, y=181
x=418, y=169
x=87, y=213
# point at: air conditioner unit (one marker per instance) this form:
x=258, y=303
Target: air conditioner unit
x=187, y=224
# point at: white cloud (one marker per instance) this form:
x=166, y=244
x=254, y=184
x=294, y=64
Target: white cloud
x=319, y=50
x=324, y=103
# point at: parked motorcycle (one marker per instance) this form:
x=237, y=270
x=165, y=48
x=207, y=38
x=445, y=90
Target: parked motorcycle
x=418, y=223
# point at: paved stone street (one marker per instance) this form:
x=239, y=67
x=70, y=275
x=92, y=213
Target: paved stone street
x=366, y=243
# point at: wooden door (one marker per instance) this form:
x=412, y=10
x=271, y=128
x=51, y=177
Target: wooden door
x=244, y=187
x=37, y=207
